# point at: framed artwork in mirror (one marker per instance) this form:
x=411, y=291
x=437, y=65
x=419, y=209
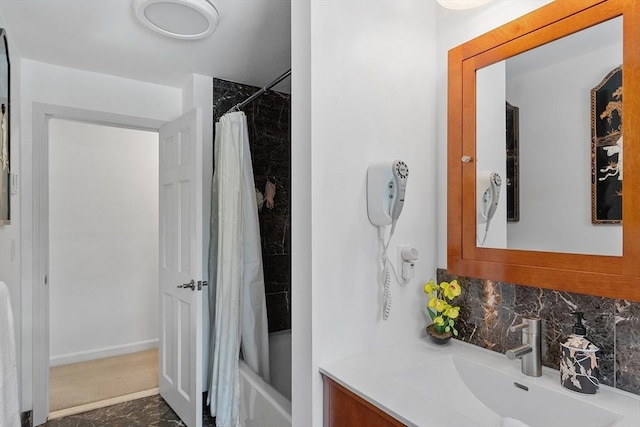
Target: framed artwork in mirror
x=5, y=147
x=513, y=190
x=606, y=149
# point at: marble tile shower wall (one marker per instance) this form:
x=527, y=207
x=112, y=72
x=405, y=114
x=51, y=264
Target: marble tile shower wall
x=489, y=308
x=269, y=139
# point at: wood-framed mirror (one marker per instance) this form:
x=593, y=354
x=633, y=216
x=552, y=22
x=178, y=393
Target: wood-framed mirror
x=610, y=272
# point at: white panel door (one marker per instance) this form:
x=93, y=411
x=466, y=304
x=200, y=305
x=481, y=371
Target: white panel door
x=181, y=266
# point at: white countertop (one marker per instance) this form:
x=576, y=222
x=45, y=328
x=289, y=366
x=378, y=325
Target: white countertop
x=382, y=379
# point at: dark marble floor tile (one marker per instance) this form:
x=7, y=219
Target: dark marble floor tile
x=628, y=346
x=149, y=411
x=279, y=311
x=226, y=94
x=276, y=234
x=270, y=147
x=277, y=273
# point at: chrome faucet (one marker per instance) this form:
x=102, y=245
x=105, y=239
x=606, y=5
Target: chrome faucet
x=530, y=352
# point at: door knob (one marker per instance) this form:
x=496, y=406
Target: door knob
x=191, y=285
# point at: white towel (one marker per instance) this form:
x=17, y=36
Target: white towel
x=512, y=422
x=9, y=406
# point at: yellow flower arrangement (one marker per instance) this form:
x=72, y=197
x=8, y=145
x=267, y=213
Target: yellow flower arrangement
x=442, y=313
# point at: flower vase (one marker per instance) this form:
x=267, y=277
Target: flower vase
x=439, y=338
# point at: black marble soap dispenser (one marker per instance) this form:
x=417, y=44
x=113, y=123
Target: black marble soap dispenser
x=579, y=363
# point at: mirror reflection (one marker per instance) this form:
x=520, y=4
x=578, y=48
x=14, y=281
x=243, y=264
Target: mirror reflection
x=542, y=197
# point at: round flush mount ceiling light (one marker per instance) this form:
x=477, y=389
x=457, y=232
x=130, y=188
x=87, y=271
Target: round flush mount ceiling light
x=462, y=4
x=181, y=19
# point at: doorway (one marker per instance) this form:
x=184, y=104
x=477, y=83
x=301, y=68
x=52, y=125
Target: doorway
x=103, y=264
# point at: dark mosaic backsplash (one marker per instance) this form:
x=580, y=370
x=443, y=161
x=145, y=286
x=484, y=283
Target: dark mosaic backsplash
x=270, y=143
x=489, y=308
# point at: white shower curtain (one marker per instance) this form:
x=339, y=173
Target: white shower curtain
x=237, y=293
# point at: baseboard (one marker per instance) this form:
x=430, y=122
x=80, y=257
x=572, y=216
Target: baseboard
x=101, y=404
x=100, y=353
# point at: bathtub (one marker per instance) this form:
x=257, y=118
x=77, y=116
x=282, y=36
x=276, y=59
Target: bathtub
x=261, y=405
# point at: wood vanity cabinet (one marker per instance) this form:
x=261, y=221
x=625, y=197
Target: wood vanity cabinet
x=343, y=408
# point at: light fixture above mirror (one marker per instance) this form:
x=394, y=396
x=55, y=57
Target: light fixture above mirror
x=462, y=4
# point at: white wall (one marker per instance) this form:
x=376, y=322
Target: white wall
x=103, y=241
x=455, y=27
x=555, y=157
x=45, y=83
x=302, y=375
x=490, y=153
x=370, y=69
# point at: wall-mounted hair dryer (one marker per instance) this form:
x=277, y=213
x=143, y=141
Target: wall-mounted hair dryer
x=488, y=197
x=386, y=186
x=488, y=192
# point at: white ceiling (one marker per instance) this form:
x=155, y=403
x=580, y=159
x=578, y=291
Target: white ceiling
x=252, y=44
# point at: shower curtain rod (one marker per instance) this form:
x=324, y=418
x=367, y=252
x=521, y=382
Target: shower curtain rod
x=262, y=91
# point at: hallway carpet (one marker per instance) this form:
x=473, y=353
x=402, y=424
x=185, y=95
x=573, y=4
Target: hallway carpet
x=98, y=380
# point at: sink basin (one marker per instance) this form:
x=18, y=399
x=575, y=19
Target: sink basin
x=528, y=402
x=487, y=394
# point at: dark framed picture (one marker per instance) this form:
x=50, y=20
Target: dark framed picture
x=606, y=149
x=5, y=145
x=513, y=179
